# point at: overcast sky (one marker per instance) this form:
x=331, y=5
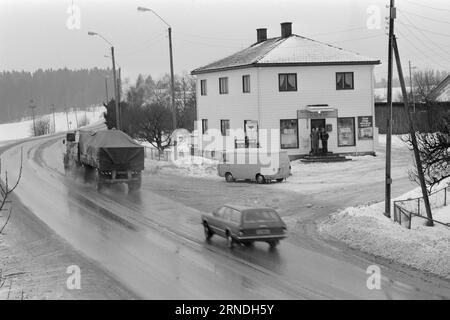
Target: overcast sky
x=40, y=34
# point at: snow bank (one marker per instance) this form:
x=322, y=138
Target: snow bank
x=187, y=166
x=21, y=130
x=397, y=141
x=367, y=229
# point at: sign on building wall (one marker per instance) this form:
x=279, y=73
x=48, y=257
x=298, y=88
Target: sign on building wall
x=365, y=128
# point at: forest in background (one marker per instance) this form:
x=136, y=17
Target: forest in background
x=61, y=88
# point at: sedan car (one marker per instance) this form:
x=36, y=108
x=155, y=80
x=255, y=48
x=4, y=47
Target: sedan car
x=244, y=225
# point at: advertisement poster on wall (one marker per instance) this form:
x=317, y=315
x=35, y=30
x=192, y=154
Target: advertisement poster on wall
x=365, y=128
x=346, y=132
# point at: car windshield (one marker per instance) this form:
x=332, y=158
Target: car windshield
x=260, y=216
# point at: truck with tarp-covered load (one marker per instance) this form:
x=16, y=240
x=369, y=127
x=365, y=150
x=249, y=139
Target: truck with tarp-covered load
x=114, y=155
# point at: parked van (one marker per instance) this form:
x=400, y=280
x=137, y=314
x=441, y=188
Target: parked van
x=254, y=164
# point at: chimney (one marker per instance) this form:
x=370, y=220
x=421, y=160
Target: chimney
x=286, y=29
x=261, y=35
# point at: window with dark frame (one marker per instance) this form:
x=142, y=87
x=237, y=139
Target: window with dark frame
x=344, y=81
x=346, y=132
x=203, y=90
x=246, y=83
x=223, y=85
x=204, y=126
x=287, y=81
x=225, y=127
x=289, y=133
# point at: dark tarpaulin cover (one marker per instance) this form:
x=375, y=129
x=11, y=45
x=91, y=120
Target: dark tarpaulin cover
x=111, y=150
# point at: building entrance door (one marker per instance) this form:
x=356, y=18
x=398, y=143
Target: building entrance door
x=316, y=128
x=317, y=123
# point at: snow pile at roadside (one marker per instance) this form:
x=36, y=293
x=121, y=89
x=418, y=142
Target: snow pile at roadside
x=366, y=228
x=396, y=140
x=186, y=166
x=21, y=130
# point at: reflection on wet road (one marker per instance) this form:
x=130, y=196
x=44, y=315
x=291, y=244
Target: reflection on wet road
x=155, y=246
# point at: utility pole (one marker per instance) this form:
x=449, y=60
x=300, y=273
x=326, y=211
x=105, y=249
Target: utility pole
x=116, y=90
x=106, y=88
x=411, y=87
x=67, y=118
x=76, y=116
x=32, y=107
x=54, y=120
x=119, y=89
x=172, y=82
x=388, y=179
x=412, y=133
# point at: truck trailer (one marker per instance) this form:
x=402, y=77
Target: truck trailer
x=114, y=155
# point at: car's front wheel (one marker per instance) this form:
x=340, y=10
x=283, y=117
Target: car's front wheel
x=207, y=231
x=273, y=244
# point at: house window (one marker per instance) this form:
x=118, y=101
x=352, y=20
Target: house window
x=346, y=132
x=287, y=81
x=246, y=84
x=225, y=127
x=289, y=133
x=203, y=87
x=204, y=126
x=344, y=80
x=223, y=85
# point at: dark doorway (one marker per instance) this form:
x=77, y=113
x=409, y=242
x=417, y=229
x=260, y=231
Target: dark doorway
x=317, y=123
x=315, y=135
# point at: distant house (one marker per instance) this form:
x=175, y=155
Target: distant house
x=441, y=92
x=274, y=92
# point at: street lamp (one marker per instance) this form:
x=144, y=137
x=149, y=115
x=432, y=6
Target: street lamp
x=116, y=91
x=169, y=28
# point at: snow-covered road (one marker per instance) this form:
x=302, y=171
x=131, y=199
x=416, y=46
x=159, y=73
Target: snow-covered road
x=152, y=241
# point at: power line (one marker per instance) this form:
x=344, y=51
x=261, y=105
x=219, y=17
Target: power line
x=425, y=6
x=420, y=51
x=362, y=38
x=437, y=45
x=421, y=16
x=426, y=30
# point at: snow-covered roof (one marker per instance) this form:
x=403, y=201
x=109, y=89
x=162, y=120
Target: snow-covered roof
x=292, y=50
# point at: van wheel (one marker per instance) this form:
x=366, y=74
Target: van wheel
x=273, y=244
x=280, y=180
x=260, y=179
x=229, y=177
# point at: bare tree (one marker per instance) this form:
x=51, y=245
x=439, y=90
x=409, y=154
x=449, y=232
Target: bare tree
x=434, y=150
x=425, y=81
x=42, y=126
x=6, y=189
x=153, y=123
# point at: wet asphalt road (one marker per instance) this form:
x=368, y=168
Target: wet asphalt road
x=154, y=245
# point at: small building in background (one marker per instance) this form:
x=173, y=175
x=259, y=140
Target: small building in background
x=273, y=94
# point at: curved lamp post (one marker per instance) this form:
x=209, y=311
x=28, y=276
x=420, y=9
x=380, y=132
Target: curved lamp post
x=116, y=91
x=172, y=81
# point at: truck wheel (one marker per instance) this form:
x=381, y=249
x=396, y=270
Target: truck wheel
x=229, y=177
x=260, y=179
x=99, y=186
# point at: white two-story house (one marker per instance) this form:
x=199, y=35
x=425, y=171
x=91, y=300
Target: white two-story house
x=274, y=92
